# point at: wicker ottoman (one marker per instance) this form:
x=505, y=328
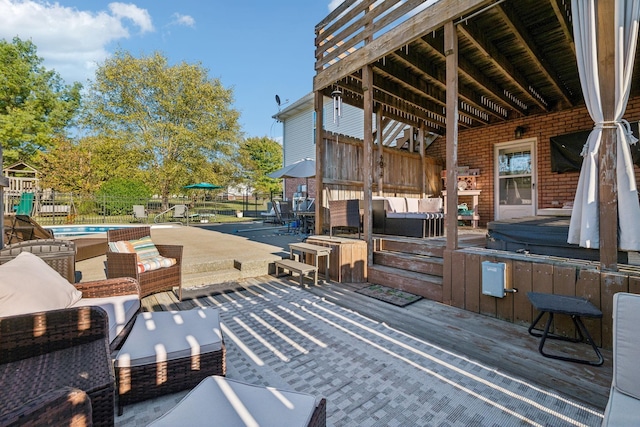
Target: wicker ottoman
x=169, y=351
x=234, y=403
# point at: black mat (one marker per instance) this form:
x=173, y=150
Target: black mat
x=390, y=295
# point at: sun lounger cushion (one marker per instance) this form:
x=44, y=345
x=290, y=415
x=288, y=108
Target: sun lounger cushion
x=29, y=285
x=120, y=310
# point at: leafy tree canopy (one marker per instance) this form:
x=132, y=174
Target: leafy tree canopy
x=258, y=157
x=82, y=167
x=35, y=105
x=179, y=119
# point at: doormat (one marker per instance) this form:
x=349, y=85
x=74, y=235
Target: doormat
x=390, y=295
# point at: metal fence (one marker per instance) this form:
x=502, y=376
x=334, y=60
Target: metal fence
x=51, y=208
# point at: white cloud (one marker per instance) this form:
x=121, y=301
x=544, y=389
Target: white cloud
x=140, y=17
x=184, y=20
x=71, y=41
x=334, y=4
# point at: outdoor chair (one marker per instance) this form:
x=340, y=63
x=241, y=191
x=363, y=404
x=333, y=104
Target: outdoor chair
x=139, y=213
x=66, y=406
x=344, y=213
x=132, y=253
x=19, y=228
x=41, y=353
x=43, y=287
x=623, y=407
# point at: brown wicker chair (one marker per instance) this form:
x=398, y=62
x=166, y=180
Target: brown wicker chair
x=125, y=264
x=43, y=352
x=344, y=213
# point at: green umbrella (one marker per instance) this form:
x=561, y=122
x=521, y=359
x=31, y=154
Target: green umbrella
x=203, y=186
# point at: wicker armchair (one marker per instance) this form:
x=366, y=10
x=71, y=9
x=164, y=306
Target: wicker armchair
x=126, y=264
x=42, y=352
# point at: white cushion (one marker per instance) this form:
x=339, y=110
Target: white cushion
x=395, y=204
x=412, y=204
x=626, y=343
x=120, y=310
x=29, y=285
x=168, y=335
x=233, y=403
x=622, y=410
x=431, y=204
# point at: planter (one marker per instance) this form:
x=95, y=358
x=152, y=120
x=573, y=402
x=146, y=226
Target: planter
x=239, y=214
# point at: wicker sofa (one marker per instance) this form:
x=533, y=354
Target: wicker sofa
x=126, y=264
x=41, y=353
x=406, y=216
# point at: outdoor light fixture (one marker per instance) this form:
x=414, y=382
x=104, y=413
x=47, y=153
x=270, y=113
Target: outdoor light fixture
x=337, y=106
x=519, y=132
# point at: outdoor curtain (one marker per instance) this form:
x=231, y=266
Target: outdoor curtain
x=583, y=229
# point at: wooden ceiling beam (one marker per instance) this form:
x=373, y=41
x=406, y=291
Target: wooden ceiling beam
x=414, y=84
x=477, y=38
x=519, y=31
x=471, y=73
x=560, y=8
x=432, y=74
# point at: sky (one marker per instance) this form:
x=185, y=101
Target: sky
x=257, y=48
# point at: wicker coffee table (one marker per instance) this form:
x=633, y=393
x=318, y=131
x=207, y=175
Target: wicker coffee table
x=169, y=351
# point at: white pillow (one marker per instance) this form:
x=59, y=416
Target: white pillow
x=29, y=285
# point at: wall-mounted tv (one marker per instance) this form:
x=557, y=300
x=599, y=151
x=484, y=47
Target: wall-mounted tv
x=566, y=149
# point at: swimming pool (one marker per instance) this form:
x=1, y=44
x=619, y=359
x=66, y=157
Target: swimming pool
x=85, y=230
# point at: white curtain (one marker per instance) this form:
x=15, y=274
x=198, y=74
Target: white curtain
x=583, y=229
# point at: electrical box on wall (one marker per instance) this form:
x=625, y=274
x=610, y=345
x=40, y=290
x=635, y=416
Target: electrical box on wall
x=494, y=279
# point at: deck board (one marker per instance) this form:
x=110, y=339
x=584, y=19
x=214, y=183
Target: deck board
x=505, y=346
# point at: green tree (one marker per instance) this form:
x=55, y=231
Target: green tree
x=257, y=158
x=82, y=167
x=179, y=119
x=35, y=105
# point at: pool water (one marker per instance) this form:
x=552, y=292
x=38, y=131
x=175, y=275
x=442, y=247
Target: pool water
x=81, y=230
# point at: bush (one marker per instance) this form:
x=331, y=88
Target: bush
x=118, y=195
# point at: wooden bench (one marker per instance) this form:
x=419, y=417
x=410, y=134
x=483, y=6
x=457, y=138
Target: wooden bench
x=297, y=267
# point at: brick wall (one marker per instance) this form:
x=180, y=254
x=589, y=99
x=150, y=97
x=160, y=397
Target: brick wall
x=475, y=149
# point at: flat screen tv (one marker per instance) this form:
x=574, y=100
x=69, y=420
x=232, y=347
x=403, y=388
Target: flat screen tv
x=566, y=149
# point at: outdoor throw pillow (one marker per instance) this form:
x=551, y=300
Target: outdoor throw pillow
x=145, y=248
x=29, y=285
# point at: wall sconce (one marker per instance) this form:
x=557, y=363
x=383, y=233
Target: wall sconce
x=337, y=106
x=519, y=132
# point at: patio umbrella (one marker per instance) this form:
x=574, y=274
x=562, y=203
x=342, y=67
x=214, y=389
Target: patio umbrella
x=203, y=186
x=305, y=168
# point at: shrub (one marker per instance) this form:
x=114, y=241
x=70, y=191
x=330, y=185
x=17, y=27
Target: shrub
x=118, y=195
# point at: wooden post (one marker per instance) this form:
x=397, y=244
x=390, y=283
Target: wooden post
x=380, y=155
x=423, y=177
x=451, y=53
x=320, y=159
x=367, y=87
x=608, y=192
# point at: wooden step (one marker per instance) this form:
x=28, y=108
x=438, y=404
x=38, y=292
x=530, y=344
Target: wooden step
x=425, y=285
x=411, y=246
x=416, y=263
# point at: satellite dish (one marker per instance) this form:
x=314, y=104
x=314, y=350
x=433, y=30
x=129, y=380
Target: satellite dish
x=277, y=100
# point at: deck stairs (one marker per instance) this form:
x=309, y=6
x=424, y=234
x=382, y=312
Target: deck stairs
x=414, y=265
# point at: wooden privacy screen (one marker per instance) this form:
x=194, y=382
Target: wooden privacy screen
x=527, y=273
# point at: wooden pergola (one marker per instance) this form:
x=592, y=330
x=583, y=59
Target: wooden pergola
x=480, y=62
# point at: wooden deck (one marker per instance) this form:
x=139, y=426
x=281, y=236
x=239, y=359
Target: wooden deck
x=504, y=346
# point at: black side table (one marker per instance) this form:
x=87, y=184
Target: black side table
x=575, y=307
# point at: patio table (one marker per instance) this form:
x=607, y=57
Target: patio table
x=575, y=307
